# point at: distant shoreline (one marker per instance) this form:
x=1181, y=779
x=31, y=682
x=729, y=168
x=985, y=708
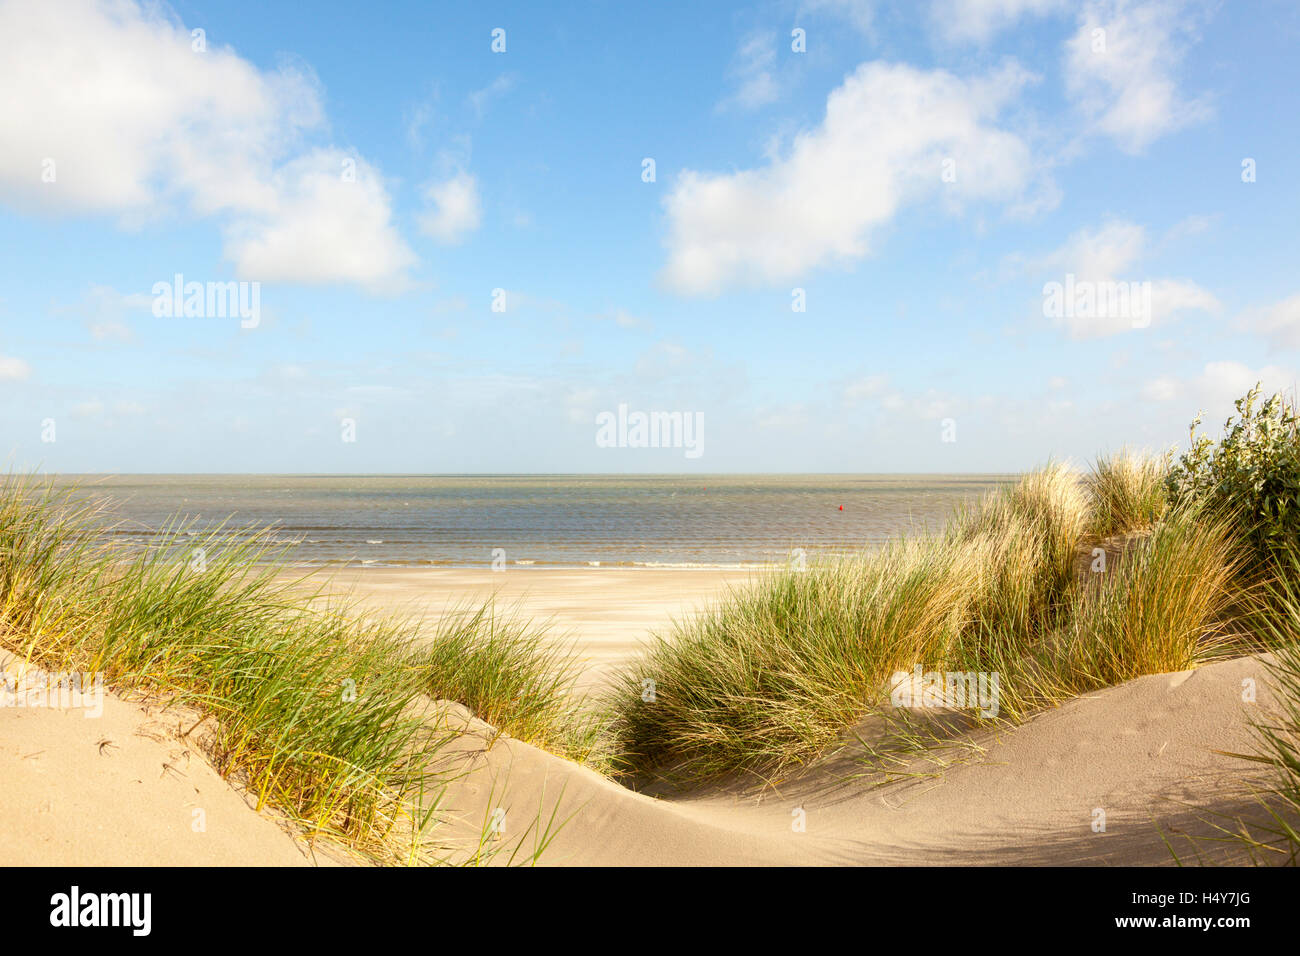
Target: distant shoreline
x=732, y=522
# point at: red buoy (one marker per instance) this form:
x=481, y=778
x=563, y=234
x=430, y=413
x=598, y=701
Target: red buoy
x=841, y=507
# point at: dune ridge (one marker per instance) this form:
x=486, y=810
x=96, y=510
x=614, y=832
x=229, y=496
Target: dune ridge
x=1145, y=752
x=1148, y=752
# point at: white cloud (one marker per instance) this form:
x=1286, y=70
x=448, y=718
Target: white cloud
x=320, y=227
x=1109, y=255
x=13, y=369
x=626, y=320
x=110, y=331
x=793, y=416
x=976, y=21
x=1193, y=225
x=481, y=99
x=1103, y=253
x=1279, y=323
x=883, y=142
x=137, y=123
x=873, y=386
x=1220, y=383
x=751, y=70
x=1214, y=389
x=105, y=310
x=1120, y=67
x=454, y=208
x=1161, y=389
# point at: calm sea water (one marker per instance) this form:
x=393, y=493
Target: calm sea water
x=723, y=520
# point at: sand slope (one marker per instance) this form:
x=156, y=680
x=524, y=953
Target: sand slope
x=121, y=789
x=1139, y=752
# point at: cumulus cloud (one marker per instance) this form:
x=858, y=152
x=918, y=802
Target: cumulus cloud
x=1120, y=70
x=453, y=208
x=1163, y=388
x=1279, y=323
x=110, y=109
x=1220, y=383
x=887, y=133
x=1216, y=386
x=320, y=226
x=1107, y=256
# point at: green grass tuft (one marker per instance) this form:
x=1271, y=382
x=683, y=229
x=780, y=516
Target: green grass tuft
x=1128, y=493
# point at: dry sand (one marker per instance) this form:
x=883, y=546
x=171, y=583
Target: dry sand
x=121, y=789
x=1144, y=753
x=604, y=613
x=1148, y=753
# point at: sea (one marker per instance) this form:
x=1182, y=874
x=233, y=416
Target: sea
x=542, y=520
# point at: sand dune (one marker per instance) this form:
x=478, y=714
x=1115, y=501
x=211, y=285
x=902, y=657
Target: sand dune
x=122, y=789
x=1144, y=753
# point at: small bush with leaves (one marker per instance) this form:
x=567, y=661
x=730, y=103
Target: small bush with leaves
x=1252, y=473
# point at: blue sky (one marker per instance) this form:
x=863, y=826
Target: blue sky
x=920, y=171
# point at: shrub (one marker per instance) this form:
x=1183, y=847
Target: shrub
x=1252, y=474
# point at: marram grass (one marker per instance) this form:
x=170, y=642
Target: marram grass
x=781, y=670
x=503, y=667
x=319, y=711
x=1127, y=492
x=1269, y=834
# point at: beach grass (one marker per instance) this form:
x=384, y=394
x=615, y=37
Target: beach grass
x=1175, y=601
x=783, y=666
x=1168, y=607
x=1127, y=493
x=1272, y=836
x=779, y=672
x=318, y=710
x=509, y=672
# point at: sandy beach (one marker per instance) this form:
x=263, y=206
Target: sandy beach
x=604, y=614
